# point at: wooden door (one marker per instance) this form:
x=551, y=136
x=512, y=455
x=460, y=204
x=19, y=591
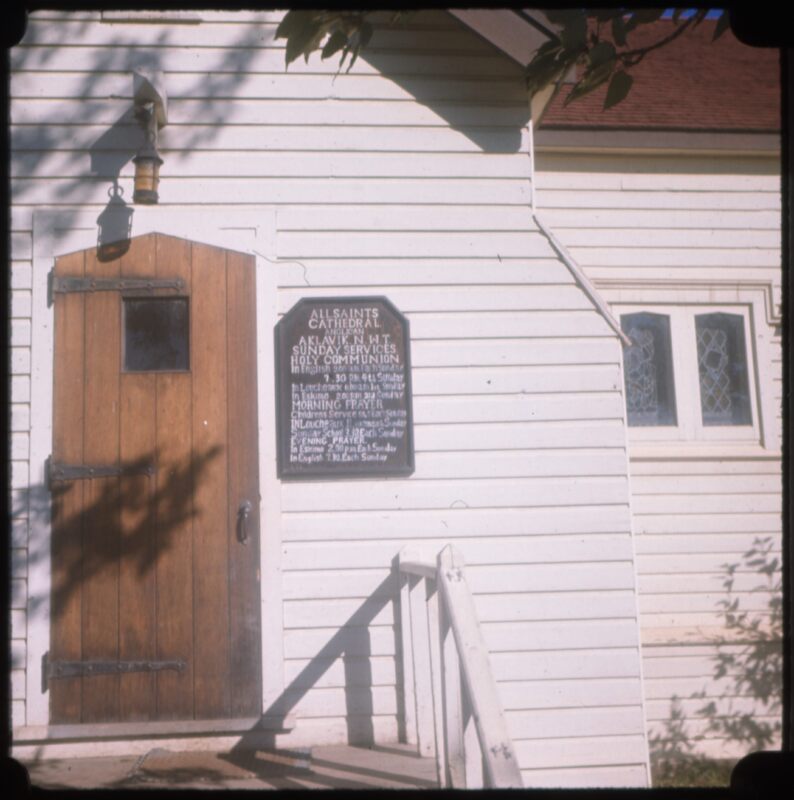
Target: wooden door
x=154, y=567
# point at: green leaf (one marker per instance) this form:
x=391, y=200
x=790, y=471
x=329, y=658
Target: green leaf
x=723, y=23
x=619, y=31
x=593, y=78
x=602, y=53
x=336, y=41
x=547, y=68
x=619, y=87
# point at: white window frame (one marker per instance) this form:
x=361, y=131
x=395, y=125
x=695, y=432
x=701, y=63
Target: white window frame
x=689, y=426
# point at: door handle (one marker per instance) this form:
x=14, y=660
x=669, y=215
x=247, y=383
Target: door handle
x=243, y=512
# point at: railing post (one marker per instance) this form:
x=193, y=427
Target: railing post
x=437, y=678
x=406, y=640
x=453, y=717
x=420, y=650
x=471, y=746
x=501, y=765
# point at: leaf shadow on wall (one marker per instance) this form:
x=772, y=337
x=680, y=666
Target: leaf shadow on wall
x=740, y=705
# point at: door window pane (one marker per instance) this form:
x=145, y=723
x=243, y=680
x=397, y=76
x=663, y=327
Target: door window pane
x=156, y=334
x=648, y=369
x=722, y=366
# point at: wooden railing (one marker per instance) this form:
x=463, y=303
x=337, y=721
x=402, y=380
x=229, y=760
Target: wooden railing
x=452, y=708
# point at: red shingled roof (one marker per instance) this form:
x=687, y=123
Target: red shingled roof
x=690, y=84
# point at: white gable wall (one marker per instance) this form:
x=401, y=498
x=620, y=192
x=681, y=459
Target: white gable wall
x=519, y=431
x=693, y=229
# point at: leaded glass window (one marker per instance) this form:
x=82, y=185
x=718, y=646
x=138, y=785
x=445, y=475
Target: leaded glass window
x=648, y=369
x=722, y=367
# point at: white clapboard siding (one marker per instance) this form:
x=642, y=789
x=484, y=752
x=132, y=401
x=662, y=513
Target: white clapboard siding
x=488, y=271
x=536, y=695
x=269, y=60
x=261, y=111
x=26, y=135
x=628, y=217
x=253, y=163
x=618, y=777
x=453, y=523
x=493, y=550
x=463, y=493
x=709, y=686
x=501, y=579
x=580, y=752
x=409, y=177
x=506, y=380
x=346, y=670
x=355, y=641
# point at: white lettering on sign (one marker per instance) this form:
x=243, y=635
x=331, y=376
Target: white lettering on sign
x=347, y=388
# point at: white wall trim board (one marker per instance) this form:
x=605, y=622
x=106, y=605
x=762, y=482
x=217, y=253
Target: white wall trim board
x=59, y=231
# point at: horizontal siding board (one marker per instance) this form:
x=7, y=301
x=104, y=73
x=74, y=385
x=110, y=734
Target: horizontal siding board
x=184, y=86
x=519, y=464
x=618, y=603
x=267, y=191
x=698, y=504
x=517, y=436
x=354, y=641
x=453, y=523
x=492, y=549
x=570, y=694
x=123, y=58
x=706, y=467
x=553, y=635
x=706, y=581
x=505, y=380
x=579, y=751
x=473, y=298
x=340, y=701
x=179, y=140
x=336, y=613
x=712, y=548
x=675, y=257
x=707, y=523
x=570, y=665
x=516, y=408
x=513, y=352
x=489, y=271
x=706, y=484
x=706, y=198
x=399, y=494
x=618, y=777
x=659, y=181
x=559, y=723
x=695, y=564
x=357, y=671
x=673, y=219
x=412, y=218
x=210, y=34
x=412, y=244
x=671, y=239
x=502, y=579
x=708, y=598
x=244, y=111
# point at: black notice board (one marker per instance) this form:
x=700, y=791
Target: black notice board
x=343, y=383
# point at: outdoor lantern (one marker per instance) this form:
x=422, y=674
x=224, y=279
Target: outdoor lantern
x=147, y=169
x=114, y=227
x=148, y=161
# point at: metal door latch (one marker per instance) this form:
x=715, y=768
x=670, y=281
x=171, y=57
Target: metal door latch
x=243, y=512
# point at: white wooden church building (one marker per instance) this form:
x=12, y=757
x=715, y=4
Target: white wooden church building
x=598, y=518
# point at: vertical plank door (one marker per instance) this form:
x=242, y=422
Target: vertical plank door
x=156, y=564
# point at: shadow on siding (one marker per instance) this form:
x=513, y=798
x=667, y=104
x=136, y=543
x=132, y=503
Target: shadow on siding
x=751, y=669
